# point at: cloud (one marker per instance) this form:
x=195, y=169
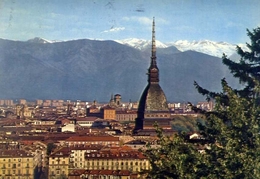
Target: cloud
x=144, y=20
x=114, y=29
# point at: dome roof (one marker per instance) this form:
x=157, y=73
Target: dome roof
x=153, y=99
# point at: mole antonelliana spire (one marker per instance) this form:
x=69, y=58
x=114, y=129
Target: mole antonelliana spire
x=153, y=104
x=153, y=72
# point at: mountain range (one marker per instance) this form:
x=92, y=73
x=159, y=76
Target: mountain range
x=94, y=69
x=204, y=46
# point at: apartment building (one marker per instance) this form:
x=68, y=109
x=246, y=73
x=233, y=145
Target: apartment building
x=59, y=163
x=105, y=140
x=126, y=115
x=77, y=156
x=16, y=164
x=95, y=161
x=117, y=159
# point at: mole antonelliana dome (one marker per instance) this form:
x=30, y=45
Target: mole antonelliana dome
x=153, y=98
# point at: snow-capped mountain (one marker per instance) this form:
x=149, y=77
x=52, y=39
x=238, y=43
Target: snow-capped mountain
x=204, y=46
x=41, y=40
x=208, y=47
x=141, y=44
x=212, y=48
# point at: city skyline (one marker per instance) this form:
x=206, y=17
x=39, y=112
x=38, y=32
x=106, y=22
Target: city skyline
x=114, y=20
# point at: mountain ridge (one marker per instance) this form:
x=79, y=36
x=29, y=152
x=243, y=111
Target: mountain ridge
x=93, y=70
x=204, y=46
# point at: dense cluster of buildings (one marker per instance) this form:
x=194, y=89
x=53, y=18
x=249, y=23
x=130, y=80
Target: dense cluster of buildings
x=76, y=140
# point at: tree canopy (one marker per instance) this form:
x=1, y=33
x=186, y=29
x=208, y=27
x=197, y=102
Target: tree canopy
x=230, y=134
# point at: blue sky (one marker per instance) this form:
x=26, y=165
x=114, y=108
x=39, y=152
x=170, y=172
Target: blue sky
x=216, y=20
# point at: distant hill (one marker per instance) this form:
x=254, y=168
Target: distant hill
x=93, y=70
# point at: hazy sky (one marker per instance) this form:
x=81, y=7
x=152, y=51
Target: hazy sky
x=217, y=20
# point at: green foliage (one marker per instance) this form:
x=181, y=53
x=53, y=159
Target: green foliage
x=233, y=144
x=173, y=159
x=233, y=134
x=186, y=123
x=231, y=131
x=247, y=70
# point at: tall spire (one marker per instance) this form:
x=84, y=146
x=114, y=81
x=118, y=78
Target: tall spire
x=153, y=41
x=153, y=71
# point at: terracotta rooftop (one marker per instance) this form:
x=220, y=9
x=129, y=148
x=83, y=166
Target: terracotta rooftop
x=108, y=107
x=62, y=152
x=92, y=138
x=86, y=147
x=14, y=153
x=86, y=118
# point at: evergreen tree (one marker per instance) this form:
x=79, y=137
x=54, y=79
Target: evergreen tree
x=247, y=70
x=174, y=158
x=231, y=132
